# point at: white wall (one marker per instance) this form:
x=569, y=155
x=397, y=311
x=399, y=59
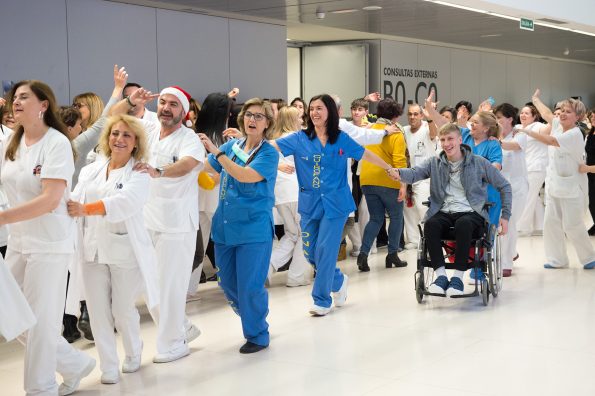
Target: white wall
x=73, y=44
x=294, y=73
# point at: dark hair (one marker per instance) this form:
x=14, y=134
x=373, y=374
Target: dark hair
x=534, y=112
x=236, y=108
x=388, y=108
x=131, y=84
x=360, y=102
x=452, y=111
x=213, y=117
x=508, y=111
x=298, y=99
x=279, y=102
x=467, y=105
x=332, y=122
x=50, y=117
x=70, y=115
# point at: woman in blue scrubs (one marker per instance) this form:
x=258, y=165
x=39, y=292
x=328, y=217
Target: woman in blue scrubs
x=320, y=152
x=243, y=223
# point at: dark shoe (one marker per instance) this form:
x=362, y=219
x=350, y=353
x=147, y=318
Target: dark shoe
x=70, y=333
x=362, y=263
x=342, y=252
x=393, y=260
x=381, y=244
x=506, y=273
x=203, y=277
x=592, y=230
x=212, y=278
x=84, y=323
x=285, y=267
x=250, y=347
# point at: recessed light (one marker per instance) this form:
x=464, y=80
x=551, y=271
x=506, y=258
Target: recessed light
x=346, y=11
x=491, y=35
x=372, y=8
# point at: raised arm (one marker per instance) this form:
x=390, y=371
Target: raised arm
x=432, y=113
x=545, y=111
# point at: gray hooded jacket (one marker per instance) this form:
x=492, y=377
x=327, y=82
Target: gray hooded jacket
x=476, y=174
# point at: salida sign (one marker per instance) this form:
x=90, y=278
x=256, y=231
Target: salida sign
x=397, y=79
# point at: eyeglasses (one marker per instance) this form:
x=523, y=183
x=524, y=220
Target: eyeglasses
x=79, y=105
x=257, y=116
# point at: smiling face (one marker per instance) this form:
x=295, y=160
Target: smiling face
x=170, y=111
x=414, y=117
x=526, y=116
x=318, y=113
x=300, y=106
x=568, y=117
x=358, y=114
x=121, y=140
x=478, y=130
x=26, y=106
x=451, y=144
x=255, y=121
x=7, y=118
x=504, y=122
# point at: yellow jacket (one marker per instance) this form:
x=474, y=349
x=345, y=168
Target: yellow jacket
x=392, y=151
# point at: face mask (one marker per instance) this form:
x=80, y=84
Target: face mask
x=238, y=152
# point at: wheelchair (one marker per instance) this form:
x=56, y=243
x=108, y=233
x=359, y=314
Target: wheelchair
x=484, y=255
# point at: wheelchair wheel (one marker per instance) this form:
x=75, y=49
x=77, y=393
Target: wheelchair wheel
x=485, y=292
x=495, y=267
x=419, y=286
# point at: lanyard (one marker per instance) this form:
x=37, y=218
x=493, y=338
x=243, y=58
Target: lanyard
x=244, y=157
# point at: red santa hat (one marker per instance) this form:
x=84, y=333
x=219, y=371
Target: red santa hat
x=183, y=97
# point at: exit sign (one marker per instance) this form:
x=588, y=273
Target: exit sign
x=527, y=24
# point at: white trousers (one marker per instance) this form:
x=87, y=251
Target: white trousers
x=509, y=240
x=290, y=245
x=565, y=216
x=532, y=216
x=354, y=235
x=175, y=253
x=42, y=277
x=15, y=314
x=413, y=215
x=111, y=297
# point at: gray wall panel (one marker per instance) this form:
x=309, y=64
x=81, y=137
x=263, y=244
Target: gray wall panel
x=518, y=80
x=435, y=58
x=559, y=83
x=465, y=72
x=492, y=78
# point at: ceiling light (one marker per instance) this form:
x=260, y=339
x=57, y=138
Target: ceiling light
x=346, y=11
x=372, y=8
x=491, y=35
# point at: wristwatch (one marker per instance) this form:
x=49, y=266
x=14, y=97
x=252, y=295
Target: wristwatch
x=160, y=170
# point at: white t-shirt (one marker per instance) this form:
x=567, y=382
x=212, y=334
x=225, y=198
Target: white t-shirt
x=150, y=116
x=514, y=167
x=173, y=201
x=563, y=179
x=419, y=144
x=536, y=154
x=286, y=185
x=49, y=158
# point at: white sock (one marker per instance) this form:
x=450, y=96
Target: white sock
x=440, y=271
x=459, y=274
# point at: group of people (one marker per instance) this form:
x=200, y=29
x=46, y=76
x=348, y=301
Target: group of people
x=119, y=202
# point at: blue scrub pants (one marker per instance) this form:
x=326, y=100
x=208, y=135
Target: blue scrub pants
x=321, y=239
x=242, y=272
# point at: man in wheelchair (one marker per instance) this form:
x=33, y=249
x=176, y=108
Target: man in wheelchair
x=458, y=197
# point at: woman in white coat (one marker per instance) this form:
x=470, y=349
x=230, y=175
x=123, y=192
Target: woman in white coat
x=37, y=167
x=119, y=261
x=514, y=169
x=565, y=188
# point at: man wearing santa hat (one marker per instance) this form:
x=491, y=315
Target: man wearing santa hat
x=171, y=213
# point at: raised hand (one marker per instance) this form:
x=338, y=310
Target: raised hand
x=373, y=97
x=536, y=95
x=209, y=145
x=141, y=96
x=233, y=93
x=120, y=77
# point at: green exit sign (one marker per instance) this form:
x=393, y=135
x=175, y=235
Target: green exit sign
x=527, y=24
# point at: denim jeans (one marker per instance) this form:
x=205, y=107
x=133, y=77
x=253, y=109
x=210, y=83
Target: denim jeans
x=381, y=200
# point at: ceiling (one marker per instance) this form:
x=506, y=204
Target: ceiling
x=410, y=19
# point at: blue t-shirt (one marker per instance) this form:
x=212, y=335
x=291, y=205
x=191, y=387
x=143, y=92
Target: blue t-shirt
x=322, y=173
x=492, y=151
x=244, y=213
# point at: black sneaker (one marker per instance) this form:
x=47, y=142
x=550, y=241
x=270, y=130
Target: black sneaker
x=84, y=323
x=70, y=333
x=393, y=260
x=250, y=347
x=362, y=262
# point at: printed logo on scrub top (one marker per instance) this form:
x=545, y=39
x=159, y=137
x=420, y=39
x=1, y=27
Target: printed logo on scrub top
x=37, y=170
x=119, y=186
x=316, y=173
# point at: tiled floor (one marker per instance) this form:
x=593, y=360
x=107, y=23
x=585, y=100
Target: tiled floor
x=536, y=338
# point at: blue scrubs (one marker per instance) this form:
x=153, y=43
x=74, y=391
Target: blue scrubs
x=324, y=203
x=490, y=150
x=243, y=235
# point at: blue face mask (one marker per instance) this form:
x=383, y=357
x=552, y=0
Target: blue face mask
x=238, y=152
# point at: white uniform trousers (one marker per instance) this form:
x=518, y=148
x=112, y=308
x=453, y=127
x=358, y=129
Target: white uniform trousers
x=42, y=277
x=175, y=252
x=532, y=217
x=509, y=241
x=290, y=246
x=111, y=299
x=15, y=313
x=565, y=215
x=354, y=235
x=413, y=215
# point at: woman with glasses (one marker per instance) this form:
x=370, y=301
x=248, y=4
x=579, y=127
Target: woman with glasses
x=243, y=225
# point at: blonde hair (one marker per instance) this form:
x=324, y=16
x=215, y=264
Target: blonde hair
x=576, y=105
x=286, y=120
x=93, y=103
x=268, y=112
x=448, y=128
x=141, y=147
x=489, y=120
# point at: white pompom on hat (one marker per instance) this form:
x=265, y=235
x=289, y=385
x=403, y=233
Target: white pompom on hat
x=183, y=97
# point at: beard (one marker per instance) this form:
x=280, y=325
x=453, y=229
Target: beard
x=172, y=122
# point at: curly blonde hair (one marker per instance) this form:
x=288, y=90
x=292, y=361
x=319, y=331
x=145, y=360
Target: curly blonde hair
x=141, y=148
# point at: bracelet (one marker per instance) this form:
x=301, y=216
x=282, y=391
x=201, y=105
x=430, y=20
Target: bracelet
x=219, y=155
x=129, y=101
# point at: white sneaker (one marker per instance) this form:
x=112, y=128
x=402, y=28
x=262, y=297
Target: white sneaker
x=192, y=333
x=110, y=378
x=340, y=297
x=192, y=297
x=319, y=311
x=171, y=356
x=296, y=283
x=410, y=245
x=70, y=385
x=131, y=364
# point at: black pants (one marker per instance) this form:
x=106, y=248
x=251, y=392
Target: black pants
x=591, y=177
x=199, y=253
x=467, y=225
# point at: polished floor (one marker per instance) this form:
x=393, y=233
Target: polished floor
x=536, y=338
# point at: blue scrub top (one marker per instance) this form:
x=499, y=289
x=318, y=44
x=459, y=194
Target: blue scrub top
x=245, y=210
x=492, y=151
x=322, y=173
